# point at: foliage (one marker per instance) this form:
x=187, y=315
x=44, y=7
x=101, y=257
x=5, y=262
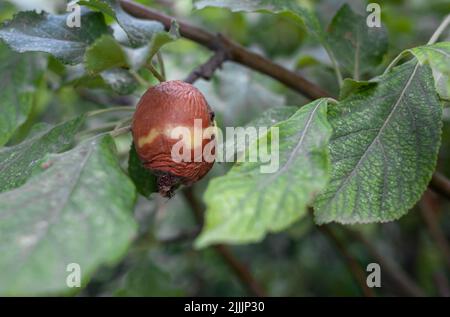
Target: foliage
x=69, y=174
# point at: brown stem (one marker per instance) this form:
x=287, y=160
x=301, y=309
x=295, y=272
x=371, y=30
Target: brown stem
x=206, y=70
x=239, y=269
x=239, y=54
x=429, y=208
x=441, y=185
x=353, y=265
x=404, y=283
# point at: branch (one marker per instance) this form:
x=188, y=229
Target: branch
x=441, y=185
x=428, y=209
x=396, y=274
x=241, y=271
x=206, y=70
x=239, y=54
x=353, y=265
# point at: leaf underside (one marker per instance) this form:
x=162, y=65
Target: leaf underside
x=17, y=162
x=384, y=148
x=75, y=209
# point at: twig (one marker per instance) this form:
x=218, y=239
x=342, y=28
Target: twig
x=237, y=53
x=428, y=210
x=353, y=265
x=206, y=70
x=439, y=30
x=107, y=110
x=162, y=68
x=155, y=72
x=120, y=131
x=405, y=284
x=441, y=185
x=139, y=78
x=241, y=271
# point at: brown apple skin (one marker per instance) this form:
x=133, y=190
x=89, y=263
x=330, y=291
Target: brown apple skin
x=163, y=107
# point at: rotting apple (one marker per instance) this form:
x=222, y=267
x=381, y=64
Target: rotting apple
x=163, y=109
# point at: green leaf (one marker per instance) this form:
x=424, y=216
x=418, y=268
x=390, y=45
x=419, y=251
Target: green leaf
x=30, y=31
x=438, y=57
x=139, y=31
x=357, y=47
x=76, y=209
x=17, y=90
x=17, y=162
x=245, y=204
x=143, y=179
x=268, y=119
x=162, y=38
x=105, y=53
x=302, y=13
x=120, y=80
x=273, y=116
x=350, y=86
x=384, y=148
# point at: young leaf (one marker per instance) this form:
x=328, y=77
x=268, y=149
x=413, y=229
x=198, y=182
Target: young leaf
x=30, y=31
x=17, y=162
x=162, y=38
x=139, y=31
x=438, y=57
x=246, y=204
x=105, y=53
x=75, y=209
x=384, y=148
x=17, y=90
x=144, y=180
x=357, y=47
x=300, y=13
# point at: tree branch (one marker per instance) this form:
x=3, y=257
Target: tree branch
x=239, y=54
x=353, y=265
x=206, y=70
x=405, y=284
x=441, y=185
x=241, y=271
x=428, y=208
